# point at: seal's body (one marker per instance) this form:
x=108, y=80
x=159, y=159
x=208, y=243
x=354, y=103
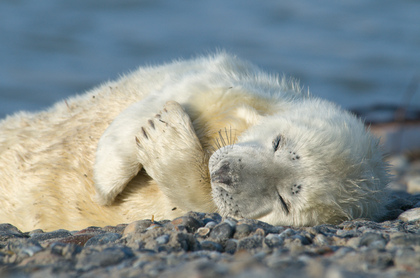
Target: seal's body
x=213, y=134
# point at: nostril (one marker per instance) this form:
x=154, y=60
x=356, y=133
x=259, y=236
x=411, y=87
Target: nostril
x=222, y=175
x=225, y=167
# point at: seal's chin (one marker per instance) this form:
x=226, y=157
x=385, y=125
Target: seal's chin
x=224, y=201
x=231, y=203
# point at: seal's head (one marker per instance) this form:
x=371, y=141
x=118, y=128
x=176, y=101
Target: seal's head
x=314, y=164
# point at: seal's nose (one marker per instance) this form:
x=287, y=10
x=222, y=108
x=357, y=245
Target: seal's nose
x=223, y=174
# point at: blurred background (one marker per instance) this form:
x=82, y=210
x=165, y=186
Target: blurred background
x=358, y=53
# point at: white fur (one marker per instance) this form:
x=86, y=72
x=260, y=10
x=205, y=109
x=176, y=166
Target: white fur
x=141, y=146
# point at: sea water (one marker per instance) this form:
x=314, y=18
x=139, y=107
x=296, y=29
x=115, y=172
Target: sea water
x=353, y=52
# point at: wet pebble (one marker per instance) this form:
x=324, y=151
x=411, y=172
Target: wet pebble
x=146, y=248
x=8, y=231
x=137, y=227
x=242, y=230
x=413, y=184
x=410, y=215
x=106, y=257
x=163, y=239
x=273, y=240
x=222, y=231
x=211, y=246
x=102, y=239
x=203, y=231
x=250, y=243
x=191, y=224
x=51, y=235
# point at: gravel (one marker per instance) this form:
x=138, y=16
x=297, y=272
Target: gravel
x=207, y=245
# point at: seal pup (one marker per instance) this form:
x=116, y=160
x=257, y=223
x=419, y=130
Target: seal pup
x=212, y=134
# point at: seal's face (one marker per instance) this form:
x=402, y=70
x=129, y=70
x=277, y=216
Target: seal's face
x=260, y=180
x=286, y=171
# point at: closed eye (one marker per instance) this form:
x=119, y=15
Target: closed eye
x=276, y=142
x=285, y=206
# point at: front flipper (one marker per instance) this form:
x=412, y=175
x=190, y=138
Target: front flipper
x=113, y=172
x=116, y=160
x=171, y=153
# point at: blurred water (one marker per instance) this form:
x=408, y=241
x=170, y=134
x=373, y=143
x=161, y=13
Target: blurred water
x=352, y=52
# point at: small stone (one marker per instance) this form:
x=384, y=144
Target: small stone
x=252, y=242
x=103, y=239
x=405, y=240
x=208, y=220
x=259, y=232
x=410, y=215
x=24, y=249
x=184, y=241
x=8, y=231
x=203, y=231
x=163, y=239
x=413, y=184
x=372, y=240
x=68, y=251
x=242, y=230
x=398, y=163
x=211, y=224
x=107, y=257
x=287, y=233
x=78, y=239
x=407, y=258
x=119, y=229
x=327, y=230
x=36, y=231
x=347, y=234
x=231, y=222
x=211, y=246
x=303, y=239
x=9, y=228
x=190, y=223
x=214, y=216
x=322, y=240
x=231, y=246
x=30, y=250
x=91, y=230
x=221, y=232
x=137, y=227
x=51, y=235
x=156, y=225
x=273, y=240
x=40, y=258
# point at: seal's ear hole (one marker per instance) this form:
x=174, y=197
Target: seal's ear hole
x=277, y=142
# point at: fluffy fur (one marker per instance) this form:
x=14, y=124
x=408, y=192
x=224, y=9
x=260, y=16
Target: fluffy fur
x=210, y=134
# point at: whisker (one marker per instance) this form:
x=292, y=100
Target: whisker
x=217, y=143
x=227, y=136
x=222, y=139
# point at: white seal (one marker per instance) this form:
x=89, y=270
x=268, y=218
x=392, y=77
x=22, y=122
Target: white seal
x=214, y=134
